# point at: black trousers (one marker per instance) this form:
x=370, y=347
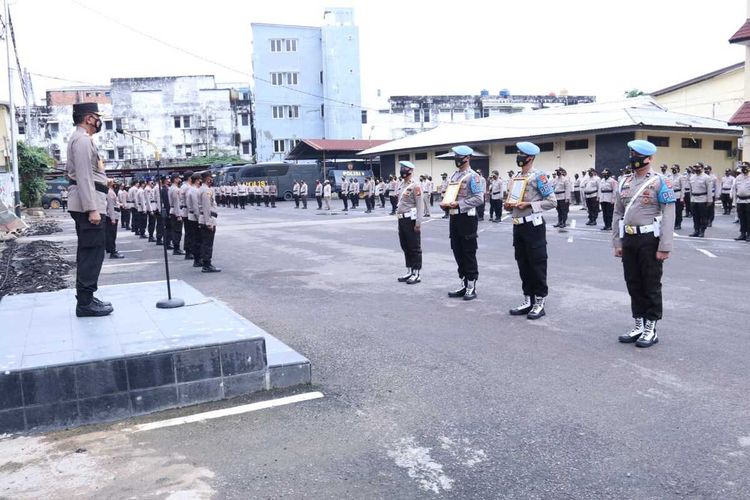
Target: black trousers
x=235, y=201
x=563, y=207
x=711, y=208
x=176, y=227
x=369, y=202
x=688, y=205
x=496, y=209
x=296, y=200
x=345, y=199
x=394, y=203
x=743, y=212
x=243, y=201
x=272, y=197
x=197, y=236
x=354, y=199
x=463, y=235
x=159, y=227
x=251, y=199
x=207, y=244
x=89, y=255
x=643, y=275
x=577, y=196
x=432, y=199
x=134, y=220
x=382, y=200
x=319, y=199
x=151, y=224
x=142, y=220
x=480, y=211
x=267, y=199
x=411, y=243
x=303, y=199
x=608, y=209
x=64, y=204
x=592, y=204
x=530, y=245
x=678, y=213
x=124, y=218
x=110, y=235
x=700, y=216
x=726, y=202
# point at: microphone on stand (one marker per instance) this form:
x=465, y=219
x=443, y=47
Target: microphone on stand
x=170, y=302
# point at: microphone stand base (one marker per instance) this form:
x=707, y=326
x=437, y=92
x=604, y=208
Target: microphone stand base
x=170, y=303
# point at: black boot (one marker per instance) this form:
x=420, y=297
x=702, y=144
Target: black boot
x=177, y=251
x=116, y=255
x=537, y=310
x=93, y=309
x=159, y=243
x=648, y=337
x=197, y=263
x=471, y=290
x=189, y=256
x=405, y=277
x=209, y=268
x=741, y=237
x=414, y=277
x=459, y=292
x=523, y=308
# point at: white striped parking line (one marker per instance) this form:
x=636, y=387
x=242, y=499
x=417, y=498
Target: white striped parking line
x=237, y=410
x=707, y=253
x=142, y=263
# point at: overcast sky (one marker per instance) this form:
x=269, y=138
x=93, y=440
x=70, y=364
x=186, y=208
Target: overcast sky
x=406, y=47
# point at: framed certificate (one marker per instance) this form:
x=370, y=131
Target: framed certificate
x=516, y=189
x=451, y=193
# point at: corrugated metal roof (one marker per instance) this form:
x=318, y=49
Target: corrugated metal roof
x=699, y=79
x=741, y=116
x=638, y=112
x=743, y=34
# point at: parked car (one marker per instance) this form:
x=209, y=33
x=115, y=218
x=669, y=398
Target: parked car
x=52, y=198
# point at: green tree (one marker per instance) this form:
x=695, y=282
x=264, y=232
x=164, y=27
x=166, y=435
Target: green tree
x=634, y=93
x=33, y=163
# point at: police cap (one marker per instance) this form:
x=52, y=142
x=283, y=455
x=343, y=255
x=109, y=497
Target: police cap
x=528, y=148
x=462, y=150
x=84, y=108
x=406, y=164
x=643, y=148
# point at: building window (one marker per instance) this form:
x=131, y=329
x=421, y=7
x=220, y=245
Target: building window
x=284, y=78
x=110, y=154
x=181, y=122
x=178, y=149
x=548, y=146
x=275, y=45
x=576, y=144
x=107, y=124
x=416, y=115
x=54, y=128
x=291, y=78
x=188, y=150
x=21, y=129
x=293, y=111
x=278, y=146
x=185, y=122
x=659, y=141
x=404, y=157
x=426, y=115
x=420, y=156
x=364, y=116
x=56, y=154
x=290, y=45
x=275, y=78
x=722, y=145
x=690, y=143
x=277, y=111
x=245, y=119
x=293, y=143
x=438, y=153
x=177, y=122
x=321, y=77
x=284, y=45
x=118, y=123
x=511, y=150
x=246, y=147
x=121, y=153
x=107, y=93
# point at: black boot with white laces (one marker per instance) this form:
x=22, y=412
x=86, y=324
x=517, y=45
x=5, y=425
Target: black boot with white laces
x=537, y=310
x=524, y=308
x=405, y=277
x=633, y=334
x=471, y=290
x=414, y=277
x=648, y=338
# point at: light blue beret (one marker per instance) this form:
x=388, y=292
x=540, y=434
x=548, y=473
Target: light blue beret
x=528, y=148
x=642, y=147
x=407, y=164
x=462, y=151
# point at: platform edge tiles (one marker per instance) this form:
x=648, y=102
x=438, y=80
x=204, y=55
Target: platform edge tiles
x=59, y=371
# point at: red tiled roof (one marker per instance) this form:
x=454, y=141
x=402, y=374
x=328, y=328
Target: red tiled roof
x=741, y=116
x=743, y=34
x=342, y=144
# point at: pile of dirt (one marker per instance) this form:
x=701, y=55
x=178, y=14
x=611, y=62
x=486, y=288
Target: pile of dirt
x=40, y=227
x=32, y=267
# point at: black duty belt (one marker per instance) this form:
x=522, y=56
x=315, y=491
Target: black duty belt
x=214, y=215
x=743, y=197
x=117, y=209
x=183, y=206
x=699, y=194
x=603, y=191
x=102, y=188
x=589, y=192
x=677, y=190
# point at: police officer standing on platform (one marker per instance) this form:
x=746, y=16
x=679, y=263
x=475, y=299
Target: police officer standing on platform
x=644, y=209
x=207, y=222
x=463, y=221
x=530, y=232
x=409, y=213
x=87, y=202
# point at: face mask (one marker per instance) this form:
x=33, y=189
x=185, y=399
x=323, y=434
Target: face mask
x=744, y=170
x=522, y=160
x=664, y=170
x=674, y=171
x=606, y=176
x=459, y=161
x=638, y=161
x=98, y=125
x=405, y=172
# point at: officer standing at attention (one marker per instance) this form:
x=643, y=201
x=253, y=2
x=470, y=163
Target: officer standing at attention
x=677, y=181
x=463, y=221
x=443, y=187
x=176, y=208
x=741, y=195
x=607, y=187
x=318, y=194
x=700, y=190
x=409, y=213
x=122, y=200
x=726, y=191
x=496, y=197
x=713, y=194
x=242, y=189
x=530, y=232
x=87, y=201
x=327, y=194
x=563, y=194
x=113, y=215
x=132, y=191
x=193, y=200
x=344, y=193
x=393, y=194
x=644, y=208
x=303, y=194
x=590, y=187
x=272, y=192
x=295, y=193
x=207, y=221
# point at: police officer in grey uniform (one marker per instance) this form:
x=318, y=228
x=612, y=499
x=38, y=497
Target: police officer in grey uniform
x=530, y=232
x=207, y=222
x=678, y=183
x=463, y=221
x=563, y=194
x=741, y=196
x=87, y=203
x=701, y=187
x=607, y=187
x=113, y=215
x=409, y=212
x=644, y=209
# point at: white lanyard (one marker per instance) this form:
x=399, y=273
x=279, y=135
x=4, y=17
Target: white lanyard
x=637, y=194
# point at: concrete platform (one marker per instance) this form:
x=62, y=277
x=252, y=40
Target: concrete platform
x=57, y=370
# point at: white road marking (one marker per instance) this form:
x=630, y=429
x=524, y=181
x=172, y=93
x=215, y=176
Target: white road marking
x=505, y=218
x=145, y=262
x=237, y=410
x=572, y=226
x=706, y=253
x=119, y=251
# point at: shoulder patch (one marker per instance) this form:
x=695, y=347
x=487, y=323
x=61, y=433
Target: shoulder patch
x=666, y=194
x=543, y=185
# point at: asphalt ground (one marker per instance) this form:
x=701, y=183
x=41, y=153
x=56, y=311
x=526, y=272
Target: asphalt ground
x=427, y=396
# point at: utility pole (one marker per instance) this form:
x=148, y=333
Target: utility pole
x=12, y=113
